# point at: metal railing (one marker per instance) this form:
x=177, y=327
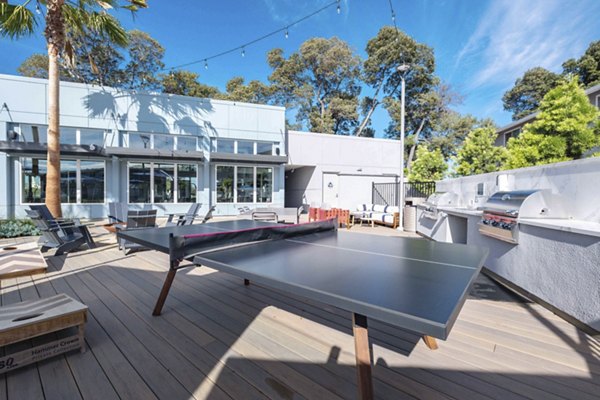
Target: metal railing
x=388, y=193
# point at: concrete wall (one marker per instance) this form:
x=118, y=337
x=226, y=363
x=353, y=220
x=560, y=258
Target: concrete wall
x=117, y=112
x=578, y=180
x=557, y=264
x=357, y=162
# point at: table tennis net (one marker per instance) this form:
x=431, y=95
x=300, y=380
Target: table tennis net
x=185, y=246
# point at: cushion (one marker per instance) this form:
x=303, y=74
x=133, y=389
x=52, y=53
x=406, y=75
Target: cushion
x=388, y=218
x=391, y=209
x=377, y=216
x=379, y=208
x=361, y=207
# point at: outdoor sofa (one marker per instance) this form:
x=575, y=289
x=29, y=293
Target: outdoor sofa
x=385, y=215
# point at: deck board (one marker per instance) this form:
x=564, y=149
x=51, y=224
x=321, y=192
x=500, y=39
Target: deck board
x=219, y=339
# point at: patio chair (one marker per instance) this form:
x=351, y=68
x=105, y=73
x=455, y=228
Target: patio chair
x=65, y=226
x=184, y=218
x=117, y=213
x=53, y=237
x=139, y=219
x=208, y=215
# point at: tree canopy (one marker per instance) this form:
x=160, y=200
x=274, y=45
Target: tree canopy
x=185, y=83
x=429, y=166
x=320, y=82
x=587, y=67
x=525, y=96
x=563, y=129
x=478, y=155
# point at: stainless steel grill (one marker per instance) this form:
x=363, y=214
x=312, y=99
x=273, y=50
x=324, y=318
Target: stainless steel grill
x=438, y=199
x=503, y=210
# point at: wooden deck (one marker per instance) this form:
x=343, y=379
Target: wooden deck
x=219, y=339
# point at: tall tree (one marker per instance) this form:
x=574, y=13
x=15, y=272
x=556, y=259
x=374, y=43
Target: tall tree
x=563, y=130
x=17, y=21
x=587, y=67
x=186, y=83
x=145, y=60
x=478, y=155
x=429, y=165
x=525, y=96
x=386, y=52
x=450, y=132
x=320, y=82
x=254, y=92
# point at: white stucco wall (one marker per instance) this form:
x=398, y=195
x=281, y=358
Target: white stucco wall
x=357, y=162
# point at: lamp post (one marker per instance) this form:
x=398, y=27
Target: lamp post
x=402, y=69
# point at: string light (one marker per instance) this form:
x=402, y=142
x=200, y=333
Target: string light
x=394, y=21
x=284, y=29
x=243, y=52
x=37, y=9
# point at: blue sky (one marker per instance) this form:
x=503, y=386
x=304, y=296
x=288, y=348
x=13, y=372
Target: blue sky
x=481, y=46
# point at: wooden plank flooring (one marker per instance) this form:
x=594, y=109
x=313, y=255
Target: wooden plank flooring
x=219, y=339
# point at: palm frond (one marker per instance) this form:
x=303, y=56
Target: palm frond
x=16, y=21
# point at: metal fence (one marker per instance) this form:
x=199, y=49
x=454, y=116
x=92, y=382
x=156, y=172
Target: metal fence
x=387, y=193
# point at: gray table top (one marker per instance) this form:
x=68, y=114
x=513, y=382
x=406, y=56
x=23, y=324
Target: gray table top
x=412, y=283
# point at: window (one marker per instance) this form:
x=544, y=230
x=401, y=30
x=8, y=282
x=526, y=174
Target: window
x=245, y=147
x=91, y=136
x=164, y=142
x=225, y=184
x=164, y=178
x=245, y=184
x=81, y=181
x=264, y=185
x=264, y=148
x=225, y=145
x=33, y=180
x=68, y=181
x=186, y=183
x=139, y=182
x=34, y=133
x=92, y=181
x=186, y=143
x=138, y=141
x=68, y=135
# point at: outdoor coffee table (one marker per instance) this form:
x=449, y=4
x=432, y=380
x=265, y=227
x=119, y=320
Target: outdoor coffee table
x=368, y=219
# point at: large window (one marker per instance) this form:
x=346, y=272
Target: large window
x=264, y=185
x=91, y=136
x=34, y=133
x=225, y=145
x=68, y=135
x=224, y=184
x=39, y=134
x=245, y=147
x=164, y=142
x=264, y=148
x=240, y=146
x=33, y=180
x=92, y=181
x=164, y=179
x=140, y=141
x=245, y=184
x=139, y=182
x=81, y=181
x=186, y=143
x=186, y=183
x=162, y=183
x=68, y=181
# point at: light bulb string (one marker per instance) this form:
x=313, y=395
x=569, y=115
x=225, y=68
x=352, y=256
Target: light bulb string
x=242, y=47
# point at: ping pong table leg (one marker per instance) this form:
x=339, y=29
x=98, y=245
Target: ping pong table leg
x=363, y=357
x=165, y=291
x=430, y=342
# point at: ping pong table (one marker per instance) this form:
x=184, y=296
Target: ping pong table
x=416, y=284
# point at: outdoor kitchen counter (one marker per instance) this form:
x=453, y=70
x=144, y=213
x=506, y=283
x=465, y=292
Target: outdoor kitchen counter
x=567, y=225
x=461, y=212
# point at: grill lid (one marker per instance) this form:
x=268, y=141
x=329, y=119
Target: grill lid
x=441, y=199
x=527, y=204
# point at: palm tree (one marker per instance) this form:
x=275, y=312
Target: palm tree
x=64, y=19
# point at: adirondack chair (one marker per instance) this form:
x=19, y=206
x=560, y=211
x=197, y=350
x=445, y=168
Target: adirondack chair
x=208, y=215
x=54, y=237
x=187, y=218
x=66, y=226
x=140, y=219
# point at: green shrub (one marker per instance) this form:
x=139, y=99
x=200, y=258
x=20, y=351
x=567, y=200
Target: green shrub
x=17, y=227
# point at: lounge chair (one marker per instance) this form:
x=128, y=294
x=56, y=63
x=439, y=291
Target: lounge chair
x=187, y=218
x=54, y=237
x=140, y=219
x=66, y=226
x=208, y=215
x=117, y=213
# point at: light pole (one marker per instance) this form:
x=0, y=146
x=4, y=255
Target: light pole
x=402, y=69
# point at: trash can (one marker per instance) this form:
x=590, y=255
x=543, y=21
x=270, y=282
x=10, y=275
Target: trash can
x=410, y=218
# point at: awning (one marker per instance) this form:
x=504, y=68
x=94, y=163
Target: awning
x=249, y=158
x=13, y=147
